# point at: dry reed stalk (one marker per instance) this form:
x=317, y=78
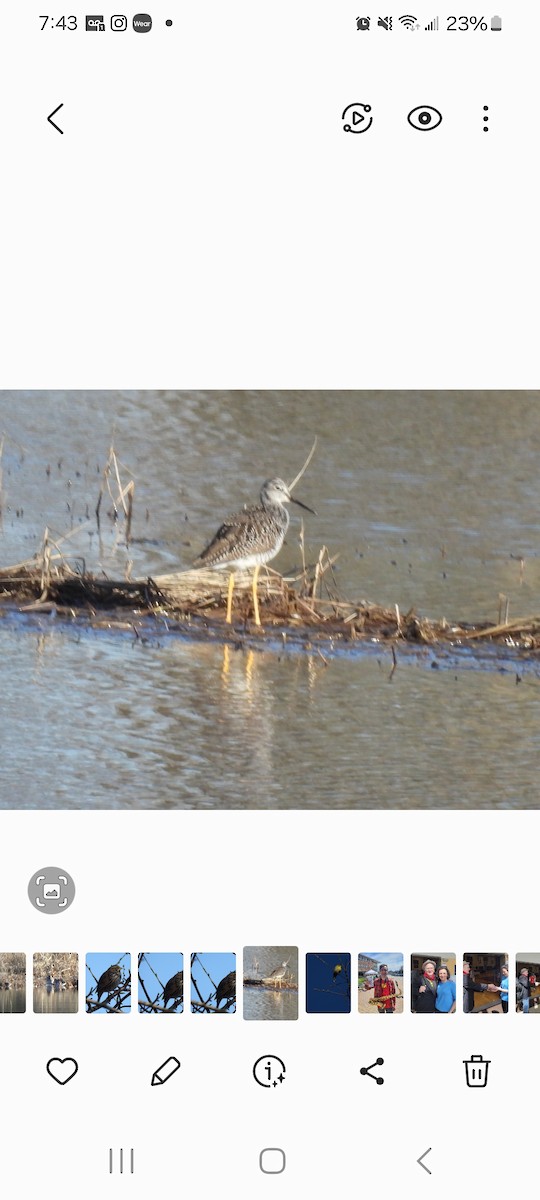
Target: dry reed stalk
x=312, y=611
x=303, y=553
x=329, y=567
x=292, y=485
x=317, y=573
x=504, y=606
x=129, y=517
x=520, y=625
x=112, y=466
x=45, y=564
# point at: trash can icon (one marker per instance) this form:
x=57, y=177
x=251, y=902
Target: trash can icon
x=476, y=1070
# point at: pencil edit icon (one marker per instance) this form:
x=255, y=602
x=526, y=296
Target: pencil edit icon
x=165, y=1071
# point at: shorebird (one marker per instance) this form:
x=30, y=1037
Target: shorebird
x=250, y=538
x=109, y=980
x=278, y=975
x=174, y=988
x=226, y=990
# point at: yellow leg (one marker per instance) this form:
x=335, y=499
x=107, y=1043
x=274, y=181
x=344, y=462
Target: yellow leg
x=255, y=600
x=228, y=618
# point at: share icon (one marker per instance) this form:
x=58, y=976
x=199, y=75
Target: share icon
x=367, y=1070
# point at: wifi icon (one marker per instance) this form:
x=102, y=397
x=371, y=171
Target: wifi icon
x=408, y=21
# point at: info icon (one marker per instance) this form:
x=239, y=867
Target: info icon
x=269, y=1070
x=119, y=23
x=142, y=23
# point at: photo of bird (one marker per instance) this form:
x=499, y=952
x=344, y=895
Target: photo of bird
x=270, y=991
x=160, y=982
x=213, y=983
x=277, y=975
x=226, y=989
x=174, y=988
x=109, y=980
x=328, y=982
x=108, y=974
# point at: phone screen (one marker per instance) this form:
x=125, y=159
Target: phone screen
x=269, y=597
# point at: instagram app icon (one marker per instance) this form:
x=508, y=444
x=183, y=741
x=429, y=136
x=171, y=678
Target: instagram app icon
x=118, y=23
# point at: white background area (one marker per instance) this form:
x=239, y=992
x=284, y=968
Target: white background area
x=204, y=221
x=350, y=881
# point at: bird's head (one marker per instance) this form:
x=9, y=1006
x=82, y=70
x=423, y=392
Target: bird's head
x=275, y=491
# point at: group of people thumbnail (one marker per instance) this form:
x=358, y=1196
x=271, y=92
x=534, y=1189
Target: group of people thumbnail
x=433, y=990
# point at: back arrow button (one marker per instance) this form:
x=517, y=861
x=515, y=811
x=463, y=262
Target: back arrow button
x=53, y=114
x=422, y=1164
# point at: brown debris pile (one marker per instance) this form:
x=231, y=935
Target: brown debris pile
x=307, y=608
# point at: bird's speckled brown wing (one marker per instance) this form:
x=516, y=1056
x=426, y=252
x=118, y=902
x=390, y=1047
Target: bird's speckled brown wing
x=242, y=533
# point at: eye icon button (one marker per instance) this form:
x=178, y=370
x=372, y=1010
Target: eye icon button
x=357, y=118
x=424, y=117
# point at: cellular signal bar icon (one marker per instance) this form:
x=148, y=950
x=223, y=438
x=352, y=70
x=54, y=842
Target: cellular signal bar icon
x=434, y=24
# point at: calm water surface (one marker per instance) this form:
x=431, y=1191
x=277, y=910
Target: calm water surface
x=13, y=1001
x=429, y=501
x=46, y=1000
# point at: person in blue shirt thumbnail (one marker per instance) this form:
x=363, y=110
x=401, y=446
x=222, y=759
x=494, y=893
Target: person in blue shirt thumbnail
x=504, y=989
x=446, y=992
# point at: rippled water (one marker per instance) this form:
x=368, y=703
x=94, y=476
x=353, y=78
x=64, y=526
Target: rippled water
x=429, y=501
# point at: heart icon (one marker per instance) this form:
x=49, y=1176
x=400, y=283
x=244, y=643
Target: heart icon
x=62, y=1069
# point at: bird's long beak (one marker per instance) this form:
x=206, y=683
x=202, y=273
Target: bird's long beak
x=300, y=505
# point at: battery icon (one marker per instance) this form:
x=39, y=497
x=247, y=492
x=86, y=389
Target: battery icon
x=476, y=1070
x=496, y=23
